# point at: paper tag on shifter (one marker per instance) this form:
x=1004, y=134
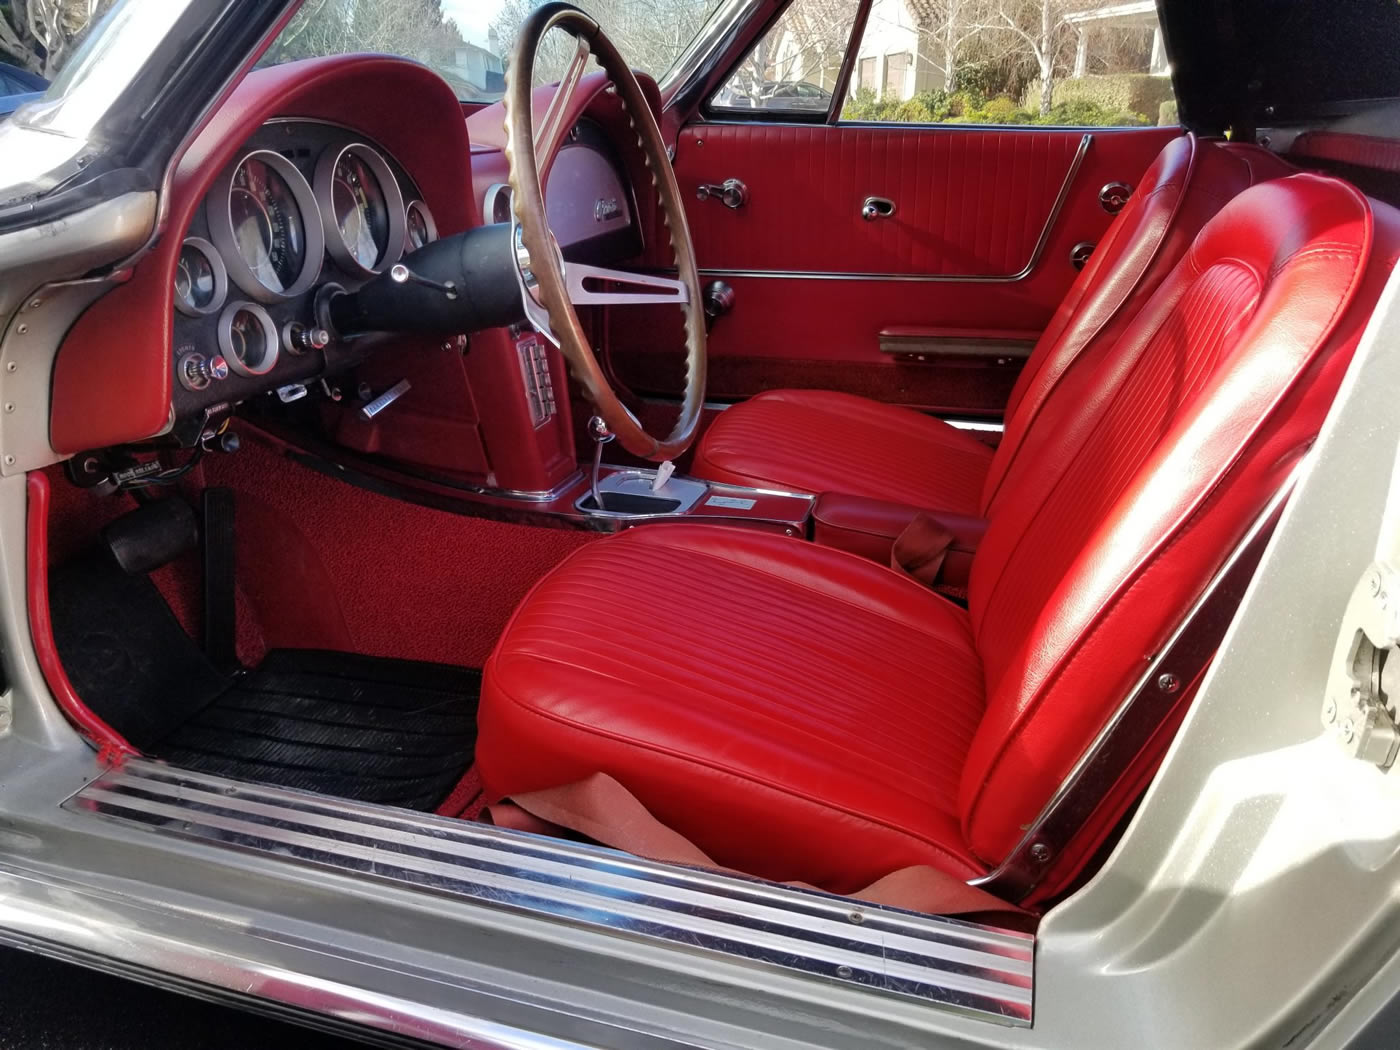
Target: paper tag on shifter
x=730, y=502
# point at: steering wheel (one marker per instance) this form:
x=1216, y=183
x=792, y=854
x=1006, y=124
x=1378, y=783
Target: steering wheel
x=552, y=288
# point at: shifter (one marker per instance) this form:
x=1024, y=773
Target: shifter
x=601, y=435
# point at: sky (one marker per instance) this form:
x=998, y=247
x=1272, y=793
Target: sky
x=473, y=17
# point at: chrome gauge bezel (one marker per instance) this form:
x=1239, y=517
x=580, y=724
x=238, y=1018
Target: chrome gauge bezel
x=272, y=341
x=323, y=184
x=428, y=221
x=221, y=228
x=496, y=194
x=216, y=264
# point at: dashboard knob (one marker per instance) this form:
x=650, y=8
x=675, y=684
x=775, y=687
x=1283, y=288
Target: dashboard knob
x=298, y=338
x=196, y=371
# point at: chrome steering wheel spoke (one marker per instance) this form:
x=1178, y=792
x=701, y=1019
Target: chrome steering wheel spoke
x=636, y=289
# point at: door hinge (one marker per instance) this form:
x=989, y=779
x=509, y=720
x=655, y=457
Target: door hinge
x=1358, y=709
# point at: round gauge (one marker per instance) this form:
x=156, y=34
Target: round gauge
x=201, y=282
x=362, y=208
x=497, y=204
x=421, y=227
x=269, y=231
x=248, y=339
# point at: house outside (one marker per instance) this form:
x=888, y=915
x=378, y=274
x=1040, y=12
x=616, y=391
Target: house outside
x=480, y=69
x=899, y=53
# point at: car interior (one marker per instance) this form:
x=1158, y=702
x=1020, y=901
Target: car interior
x=846, y=505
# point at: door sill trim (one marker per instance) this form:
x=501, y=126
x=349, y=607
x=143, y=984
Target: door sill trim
x=968, y=968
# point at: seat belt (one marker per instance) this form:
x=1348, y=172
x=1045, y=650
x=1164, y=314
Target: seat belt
x=919, y=550
x=601, y=809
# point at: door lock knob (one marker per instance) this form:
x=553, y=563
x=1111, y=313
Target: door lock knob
x=718, y=299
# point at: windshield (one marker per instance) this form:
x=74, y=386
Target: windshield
x=469, y=42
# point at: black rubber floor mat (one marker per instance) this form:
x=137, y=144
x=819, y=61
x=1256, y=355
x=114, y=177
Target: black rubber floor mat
x=125, y=653
x=376, y=730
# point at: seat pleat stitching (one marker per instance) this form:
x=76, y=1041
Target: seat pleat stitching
x=910, y=668
x=1090, y=484
x=917, y=752
x=951, y=733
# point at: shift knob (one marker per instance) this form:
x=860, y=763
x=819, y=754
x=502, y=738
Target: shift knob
x=599, y=431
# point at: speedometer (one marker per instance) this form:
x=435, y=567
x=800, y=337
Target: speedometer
x=362, y=208
x=265, y=223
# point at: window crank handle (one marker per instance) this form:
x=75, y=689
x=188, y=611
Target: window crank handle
x=731, y=193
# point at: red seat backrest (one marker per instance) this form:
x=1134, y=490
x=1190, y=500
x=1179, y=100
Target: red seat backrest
x=1167, y=444
x=1188, y=183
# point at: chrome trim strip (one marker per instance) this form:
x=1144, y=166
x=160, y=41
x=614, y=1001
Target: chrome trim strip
x=696, y=64
x=842, y=87
x=120, y=935
x=972, y=969
x=1189, y=652
x=1020, y=275
x=979, y=425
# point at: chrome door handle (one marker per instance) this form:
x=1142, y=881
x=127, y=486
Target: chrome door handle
x=732, y=193
x=876, y=208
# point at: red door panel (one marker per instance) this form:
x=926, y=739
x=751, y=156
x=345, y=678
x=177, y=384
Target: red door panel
x=976, y=244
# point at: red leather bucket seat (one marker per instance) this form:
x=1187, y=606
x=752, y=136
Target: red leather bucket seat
x=804, y=714
x=822, y=441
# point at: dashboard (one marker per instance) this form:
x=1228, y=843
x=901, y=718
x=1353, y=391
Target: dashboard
x=306, y=209
x=312, y=176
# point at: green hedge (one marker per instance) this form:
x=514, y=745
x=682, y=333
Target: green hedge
x=1118, y=92
x=970, y=106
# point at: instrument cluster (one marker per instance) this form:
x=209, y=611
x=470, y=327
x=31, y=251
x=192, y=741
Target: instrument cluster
x=305, y=210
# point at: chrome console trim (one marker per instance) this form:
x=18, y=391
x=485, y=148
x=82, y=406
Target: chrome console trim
x=633, y=481
x=975, y=970
x=1036, y=253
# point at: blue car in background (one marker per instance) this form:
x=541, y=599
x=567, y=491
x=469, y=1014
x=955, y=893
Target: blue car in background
x=18, y=86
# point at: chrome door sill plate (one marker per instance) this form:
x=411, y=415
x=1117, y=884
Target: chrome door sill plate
x=970, y=968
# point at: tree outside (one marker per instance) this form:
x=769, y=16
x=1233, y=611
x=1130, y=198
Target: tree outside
x=925, y=61
x=1072, y=62
x=651, y=34
x=39, y=35
x=412, y=28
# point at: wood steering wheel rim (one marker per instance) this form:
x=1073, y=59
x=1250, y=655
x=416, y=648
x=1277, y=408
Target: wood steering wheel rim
x=547, y=264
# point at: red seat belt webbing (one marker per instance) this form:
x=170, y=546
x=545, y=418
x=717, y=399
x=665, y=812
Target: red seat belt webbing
x=920, y=549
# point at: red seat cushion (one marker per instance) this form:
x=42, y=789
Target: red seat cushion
x=797, y=712
x=821, y=441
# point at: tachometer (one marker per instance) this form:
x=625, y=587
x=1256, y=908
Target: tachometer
x=264, y=221
x=362, y=208
x=201, y=282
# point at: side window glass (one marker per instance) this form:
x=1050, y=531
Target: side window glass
x=1074, y=63
x=796, y=65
